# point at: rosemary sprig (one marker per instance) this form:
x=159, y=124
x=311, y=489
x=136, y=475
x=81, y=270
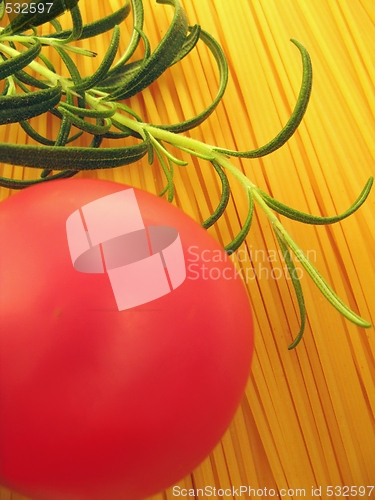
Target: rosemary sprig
x=76, y=100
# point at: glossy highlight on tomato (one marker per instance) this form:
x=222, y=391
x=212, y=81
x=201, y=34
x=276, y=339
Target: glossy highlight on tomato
x=97, y=403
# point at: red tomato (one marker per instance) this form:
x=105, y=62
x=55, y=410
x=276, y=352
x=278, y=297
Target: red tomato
x=102, y=404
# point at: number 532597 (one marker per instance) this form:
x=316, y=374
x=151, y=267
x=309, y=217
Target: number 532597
x=27, y=8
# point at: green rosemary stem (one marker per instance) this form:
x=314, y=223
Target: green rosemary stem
x=179, y=141
x=17, y=38
x=39, y=68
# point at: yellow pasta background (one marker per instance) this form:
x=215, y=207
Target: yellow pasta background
x=307, y=418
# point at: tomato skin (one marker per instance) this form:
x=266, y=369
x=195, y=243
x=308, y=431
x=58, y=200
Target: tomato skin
x=97, y=403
